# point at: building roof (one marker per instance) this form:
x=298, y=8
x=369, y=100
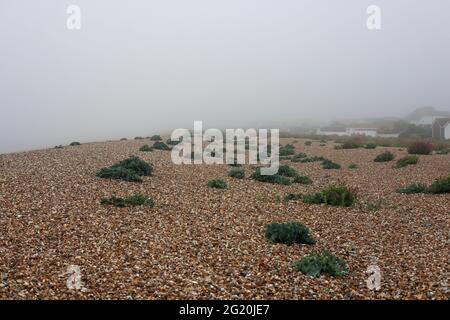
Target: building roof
x=420, y=113
x=442, y=121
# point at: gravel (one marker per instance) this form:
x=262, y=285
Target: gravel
x=203, y=243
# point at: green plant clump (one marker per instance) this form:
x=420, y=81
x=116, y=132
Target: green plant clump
x=275, y=178
x=237, y=173
x=217, y=184
x=302, y=180
x=328, y=164
x=413, y=188
x=406, y=161
x=384, y=157
x=441, y=185
x=288, y=233
x=75, y=143
x=338, y=196
x=145, y=148
x=316, y=264
x=287, y=171
x=352, y=166
x=160, y=146
x=298, y=157
x=311, y=159
x=156, y=137
x=293, y=197
x=172, y=142
x=287, y=150
x=350, y=145
x=332, y=195
x=130, y=169
x=370, y=145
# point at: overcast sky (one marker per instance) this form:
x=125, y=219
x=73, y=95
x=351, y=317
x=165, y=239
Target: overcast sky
x=141, y=67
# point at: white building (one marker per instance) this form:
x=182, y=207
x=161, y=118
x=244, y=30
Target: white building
x=441, y=129
x=332, y=132
x=424, y=121
x=369, y=132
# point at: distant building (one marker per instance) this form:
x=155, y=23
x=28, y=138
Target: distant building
x=332, y=131
x=425, y=116
x=336, y=131
x=424, y=121
x=441, y=129
x=369, y=132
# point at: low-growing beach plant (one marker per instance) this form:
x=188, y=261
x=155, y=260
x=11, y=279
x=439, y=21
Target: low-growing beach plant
x=370, y=145
x=441, y=185
x=138, y=138
x=406, y=161
x=384, y=157
x=145, y=148
x=140, y=167
x=350, y=145
x=59, y=147
x=119, y=173
x=413, y=188
x=328, y=164
x=338, y=196
x=217, y=184
x=313, y=198
x=130, y=169
x=332, y=195
x=293, y=197
x=420, y=147
x=287, y=150
x=156, y=137
x=311, y=159
x=173, y=142
x=275, y=178
x=75, y=143
x=159, y=145
x=289, y=233
x=352, y=166
x=133, y=200
x=441, y=148
x=237, y=173
x=302, y=179
x=316, y=264
x=374, y=205
x=298, y=157
x=287, y=171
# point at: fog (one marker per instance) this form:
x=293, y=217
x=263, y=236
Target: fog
x=145, y=67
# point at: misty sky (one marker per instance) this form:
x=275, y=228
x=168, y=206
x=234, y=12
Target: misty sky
x=142, y=67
